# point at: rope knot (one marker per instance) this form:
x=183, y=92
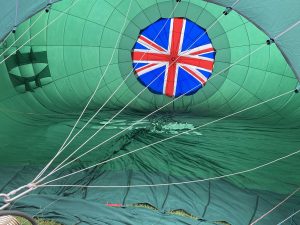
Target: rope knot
x=6, y=201
x=31, y=186
x=5, y=197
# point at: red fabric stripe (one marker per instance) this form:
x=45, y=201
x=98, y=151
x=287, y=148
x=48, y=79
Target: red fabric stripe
x=194, y=74
x=114, y=205
x=145, y=67
x=137, y=56
x=170, y=85
x=208, y=65
x=203, y=51
x=151, y=43
x=175, y=45
x=176, y=36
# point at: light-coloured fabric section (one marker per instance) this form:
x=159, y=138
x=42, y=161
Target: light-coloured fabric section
x=14, y=12
x=274, y=17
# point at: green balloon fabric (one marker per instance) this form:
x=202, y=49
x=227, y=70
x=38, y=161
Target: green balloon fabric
x=82, y=51
x=15, y=12
x=247, y=114
x=264, y=14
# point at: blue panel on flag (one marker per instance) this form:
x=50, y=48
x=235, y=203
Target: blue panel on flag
x=154, y=84
x=191, y=85
x=173, y=57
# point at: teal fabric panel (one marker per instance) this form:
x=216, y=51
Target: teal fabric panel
x=274, y=17
x=25, y=9
x=56, y=73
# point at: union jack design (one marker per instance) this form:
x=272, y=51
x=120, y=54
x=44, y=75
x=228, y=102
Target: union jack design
x=176, y=61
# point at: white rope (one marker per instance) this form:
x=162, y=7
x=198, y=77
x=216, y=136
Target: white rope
x=45, y=168
x=89, y=101
x=102, y=127
x=291, y=216
x=32, y=24
x=5, y=39
x=98, y=111
x=171, y=137
x=49, y=24
x=279, y=204
x=16, y=15
x=211, y=26
x=287, y=30
x=177, y=183
x=97, y=146
x=126, y=153
x=236, y=2
x=135, y=96
x=42, y=209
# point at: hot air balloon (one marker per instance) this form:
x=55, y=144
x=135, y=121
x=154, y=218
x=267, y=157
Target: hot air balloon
x=150, y=111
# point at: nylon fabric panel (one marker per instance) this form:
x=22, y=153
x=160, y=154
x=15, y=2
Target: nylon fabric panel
x=46, y=84
x=25, y=9
x=273, y=17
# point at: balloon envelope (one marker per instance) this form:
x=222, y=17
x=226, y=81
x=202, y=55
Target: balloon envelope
x=245, y=116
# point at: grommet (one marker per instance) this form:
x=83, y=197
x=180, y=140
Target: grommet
x=14, y=29
x=297, y=90
x=270, y=41
x=47, y=9
x=227, y=11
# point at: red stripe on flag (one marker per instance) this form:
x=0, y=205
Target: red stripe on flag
x=151, y=43
x=145, y=67
x=194, y=74
x=170, y=85
x=176, y=36
x=203, y=51
x=175, y=46
x=201, y=63
x=143, y=56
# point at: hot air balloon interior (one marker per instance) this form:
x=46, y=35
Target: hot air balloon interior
x=150, y=112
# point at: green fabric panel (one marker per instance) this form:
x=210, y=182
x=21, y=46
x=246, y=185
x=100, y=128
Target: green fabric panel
x=241, y=145
x=60, y=69
x=274, y=17
x=25, y=9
